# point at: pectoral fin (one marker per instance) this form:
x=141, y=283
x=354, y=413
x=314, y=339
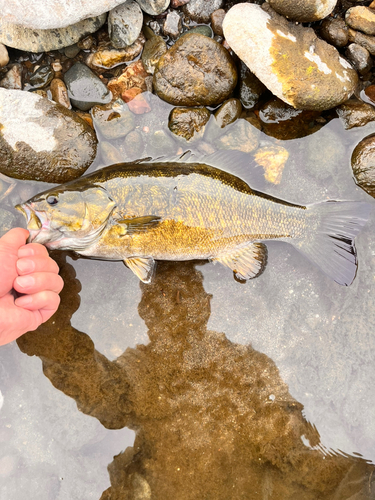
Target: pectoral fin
x=246, y=262
x=140, y=224
x=143, y=267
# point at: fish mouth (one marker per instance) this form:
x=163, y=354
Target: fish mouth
x=35, y=223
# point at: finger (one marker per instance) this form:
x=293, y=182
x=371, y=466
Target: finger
x=15, y=238
x=45, y=302
x=9, y=245
x=36, y=264
x=38, y=282
x=32, y=249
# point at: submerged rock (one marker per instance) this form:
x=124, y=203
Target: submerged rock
x=188, y=123
x=195, y=71
x=240, y=135
x=43, y=40
x=289, y=59
x=303, y=11
x=363, y=164
x=41, y=140
x=113, y=120
x=272, y=158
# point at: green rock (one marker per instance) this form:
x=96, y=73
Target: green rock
x=203, y=29
x=154, y=48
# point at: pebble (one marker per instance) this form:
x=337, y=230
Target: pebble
x=303, y=11
x=134, y=75
x=41, y=140
x=363, y=164
x=200, y=11
x=250, y=88
x=4, y=56
x=355, y=113
x=85, y=89
x=366, y=41
x=44, y=40
x=72, y=51
x=13, y=78
x=202, y=29
x=335, y=31
x=134, y=145
x=361, y=18
x=86, y=43
x=152, y=52
x=272, y=158
x=289, y=59
x=110, y=154
x=188, y=123
x=359, y=57
x=228, y=112
x=107, y=57
x=112, y=120
x=125, y=24
x=41, y=76
x=59, y=93
x=172, y=25
x=153, y=7
x=241, y=136
x=140, y=104
x=178, y=3
x=195, y=71
x=217, y=18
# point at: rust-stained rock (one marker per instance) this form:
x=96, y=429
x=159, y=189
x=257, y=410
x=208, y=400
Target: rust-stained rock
x=107, y=57
x=363, y=164
x=133, y=76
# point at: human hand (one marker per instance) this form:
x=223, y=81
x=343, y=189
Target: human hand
x=29, y=270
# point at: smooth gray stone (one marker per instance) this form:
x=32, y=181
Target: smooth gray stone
x=154, y=7
x=85, y=89
x=125, y=24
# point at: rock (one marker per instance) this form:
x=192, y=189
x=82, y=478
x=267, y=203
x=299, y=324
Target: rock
x=72, y=51
x=152, y=52
x=361, y=18
x=250, y=88
x=160, y=143
x=42, y=76
x=363, y=164
x=86, y=43
x=289, y=59
x=200, y=10
x=107, y=57
x=84, y=88
x=217, y=18
x=172, y=25
x=134, y=145
x=195, y=71
x=368, y=95
x=153, y=7
x=41, y=140
x=228, y=112
x=60, y=93
x=134, y=76
x=110, y=154
x=49, y=14
x=366, y=41
x=112, y=121
x=44, y=40
x=4, y=56
x=203, y=29
x=125, y=24
x=335, y=31
x=324, y=154
x=355, y=113
x=188, y=123
x=273, y=159
x=303, y=11
x=178, y=3
x=140, y=103
x=360, y=58
x=13, y=78
x=241, y=136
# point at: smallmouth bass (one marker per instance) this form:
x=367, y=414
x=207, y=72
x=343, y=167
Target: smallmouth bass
x=143, y=211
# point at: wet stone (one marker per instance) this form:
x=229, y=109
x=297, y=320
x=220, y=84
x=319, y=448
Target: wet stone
x=4, y=56
x=241, y=136
x=86, y=43
x=178, y=3
x=134, y=145
x=72, y=51
x=363, y=164
x=41, y=140
x=360, y=58
x=195, y=71
x=369, y=94
x=152, y=52
x=228, y=112
x=366, y=41
x=355, y=113
x=153, y=7
x=303, y=11
x=188, y=123
x=110, y=154
x=172, y=25
x=13, y=78
x=203, y=29
x=250, y=88
x=134, y=76
x=335, y=31
x=160, y=142
x=140, y=103
x=125, y=24
x=113, y=120
x=107, y=57
x=42, y=77
x=60, y=93
x=272, y=158
x=200, y=10
x=299, y=68
x=361, y=18
x=43, y=40
x=217, y=18
x=84, y=88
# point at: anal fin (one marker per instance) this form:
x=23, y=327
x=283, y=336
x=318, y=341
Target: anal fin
x=246, y=262
x=143, y=267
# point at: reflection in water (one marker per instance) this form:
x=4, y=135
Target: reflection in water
x=214, y=420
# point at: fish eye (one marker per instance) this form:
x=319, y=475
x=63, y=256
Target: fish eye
x=52, y=199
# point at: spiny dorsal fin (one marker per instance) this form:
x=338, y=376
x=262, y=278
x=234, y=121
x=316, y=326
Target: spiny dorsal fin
x=246, y=262
x=143, y=267
x=139, y=224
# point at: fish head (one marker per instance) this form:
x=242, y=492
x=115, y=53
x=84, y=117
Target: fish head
x=67, y=219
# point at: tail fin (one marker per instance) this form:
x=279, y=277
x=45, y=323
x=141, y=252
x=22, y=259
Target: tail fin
x=329, y=239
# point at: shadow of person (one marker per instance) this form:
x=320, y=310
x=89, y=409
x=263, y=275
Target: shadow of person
x=213, y=418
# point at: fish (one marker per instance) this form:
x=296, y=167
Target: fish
x=149, y=210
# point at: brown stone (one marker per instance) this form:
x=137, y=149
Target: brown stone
x=133, y=76
x=139, y=105
x=128, y=95
x=177, y=3
x=60, y=93
x=106, y=57
x=217, y=18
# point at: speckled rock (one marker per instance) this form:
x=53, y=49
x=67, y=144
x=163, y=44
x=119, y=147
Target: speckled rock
x=361, y=18
x=48, y=14
x=41, y=140
x=13, y=78
x=84, y=88
x=363, y=164
x=355, y=113
x=359, y=57
x=241, y=136
x=125, y=24
x=153, y=7
x=335, y=31
x=304, y=11
x=195, y=71
x=152, y=52
x=366, y=41
x=107, y=57
x=200, y=10
x=4, y=56
x=289, y=59
x=43, y=40
x=188, y=123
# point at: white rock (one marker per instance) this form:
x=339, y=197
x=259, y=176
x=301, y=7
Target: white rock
x=290, y=60
x=47, y=14
x=4, y=56
x=303, y=11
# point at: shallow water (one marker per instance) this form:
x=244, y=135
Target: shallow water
x=261, y=390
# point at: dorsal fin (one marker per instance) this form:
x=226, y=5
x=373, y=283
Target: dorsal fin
x=246, y=262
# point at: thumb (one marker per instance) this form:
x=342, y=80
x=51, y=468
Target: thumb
x=9, y=245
